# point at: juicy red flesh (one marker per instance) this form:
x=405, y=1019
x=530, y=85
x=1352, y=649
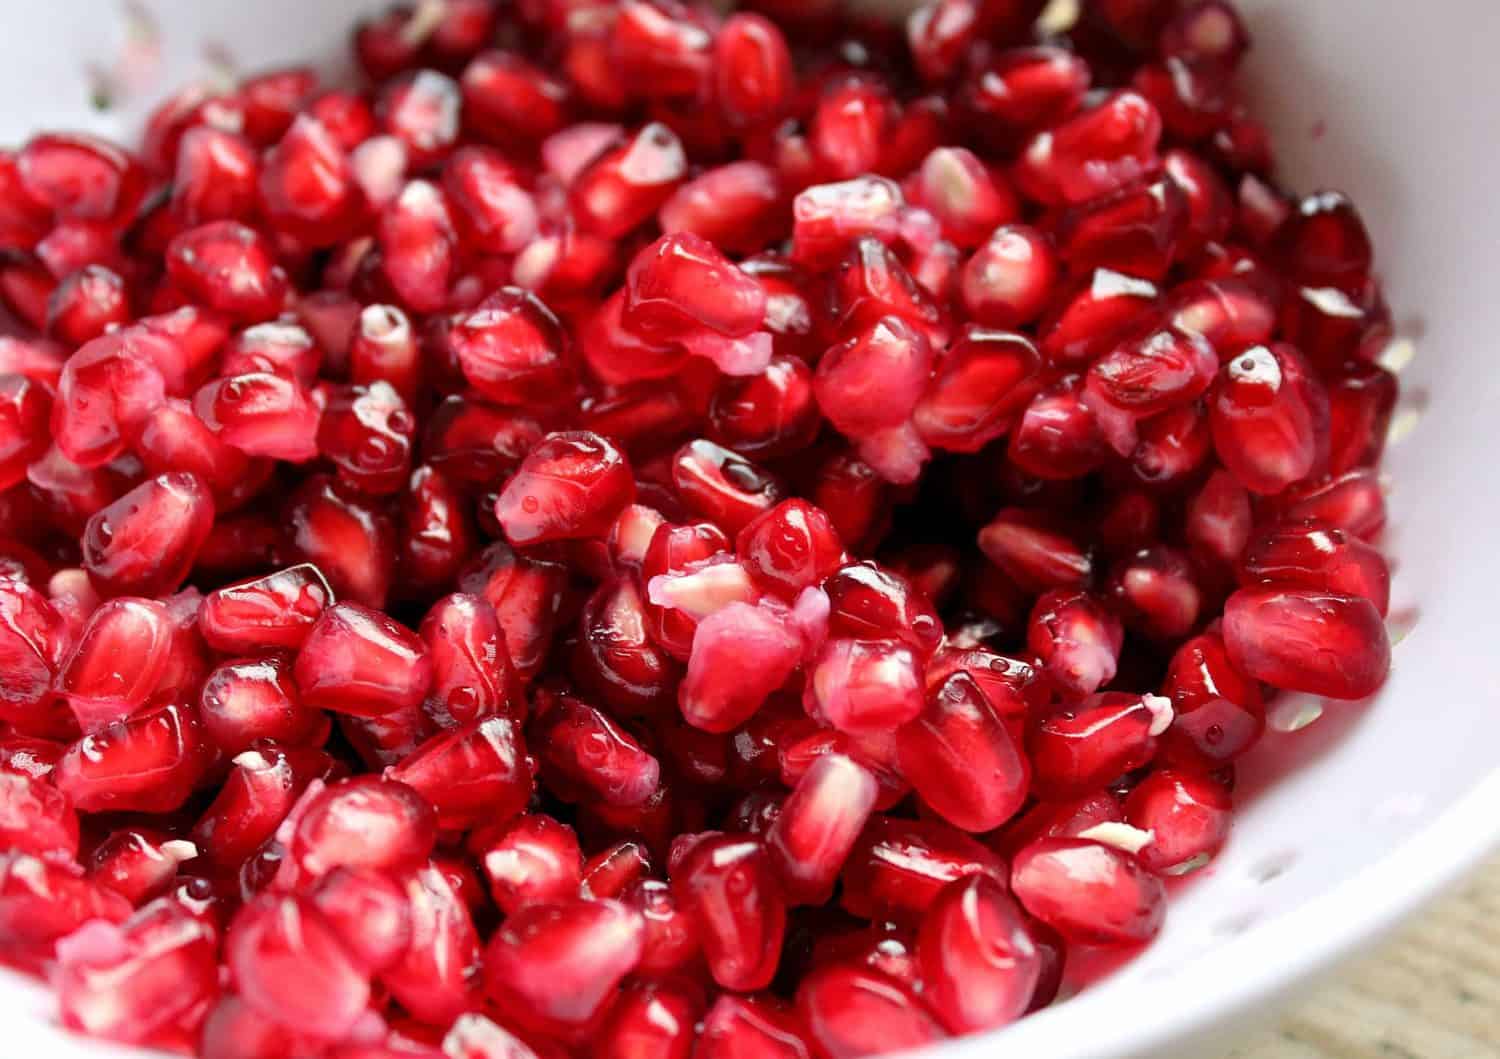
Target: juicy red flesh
x=493, y=552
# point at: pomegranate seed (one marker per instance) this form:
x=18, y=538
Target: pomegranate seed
x=750, y=1027
x=962, y=759
x=1032, y=553
x=1361, y=400
x=826, y=217
x=979, y=963
x=36, y=818
x=265, y=613
x=421, y=108
x=554, y=967
x=571, y=486
x=228, y=267
x=1083, y=748
x=531, y=860
x=1267, y=411
x=433, y=978
x=146, y=541
x=1094, y=153
x=851, y=1011
x=818, y=825
x=259, y=792
x=729, y=887
x=1219, y=519
x=1077, y=640
x=897, y=867
x=149, y=762
x=1353, y=502
x=584, y=754
x=359, y=661
x=1187, y=815
x=625, y=186
x=250, y=699
x=261, y=415
x=752, y=69
x=1090, y=893
x=79, y=177
x=1310, y=555
x=609, y=872
x=42, y=900
x=1307, y=639
x=682, y=282
x=1095, y=316
x=141, y=980
x=476, y=773
x=290, y=965
x=1217, y=710
x=307, y=186
x=368, y=913
x=362, y=822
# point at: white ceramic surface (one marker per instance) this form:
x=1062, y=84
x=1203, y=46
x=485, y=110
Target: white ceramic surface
x=1386, y=804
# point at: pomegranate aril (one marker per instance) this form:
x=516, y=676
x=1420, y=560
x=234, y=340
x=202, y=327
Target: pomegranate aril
x=728, y=885
x=1353, y=502
x=36, y=818
x=1076, y=638
x=533, y=859
x=571, y=486
x=1188, y=816
x=1268, y=412
x=851, y=1011
x=42, y=900
x=80, y=177
x=615, y=657
x=261, y=415
x=348, y=538
x=291, y=966
x=1101, y=309
x=368, y=913
x=622, y=188
x=256, y=796
x=434, y=978
x=1089, y=892
x=1361, y=401
x=1156, y=592
x=146, y=541
x=1094, y=153
x=141, y=982
x=1310, y=555
x=978, y=961
x=476, y=773
x=897, y=867
x=962, y=758
x=527, y=595
x=360, y=661
x=554, y=967
x=1307, y=639
x=584, y=754
x=1083, y=748
x=249, y=699
x=149, y=762
x=272, y=612
x=361, y=822
x=750, y=1027
x=1035, y=555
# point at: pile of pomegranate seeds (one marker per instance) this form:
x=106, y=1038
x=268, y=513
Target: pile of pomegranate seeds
x=639, y=532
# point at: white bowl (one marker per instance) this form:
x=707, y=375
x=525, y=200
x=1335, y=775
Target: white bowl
x=1387, y=803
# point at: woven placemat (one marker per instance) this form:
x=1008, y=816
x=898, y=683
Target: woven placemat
x=1431, y=992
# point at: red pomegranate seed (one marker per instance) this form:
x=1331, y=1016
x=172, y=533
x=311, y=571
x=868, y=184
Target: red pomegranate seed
x=611, y=871
x=818, y=824
x=1188, y=816
x=259, y=792
x=585, y=755
x=531, y=860
x=307, y=187
x=80, y=177
x=750, y=1027
x=140, y=981
x=1217, y=710
x=571, y=486
x=368, y=913
x=627, y=184
x=554, y=967
x=261, y=415
x=1311, y=555
x=36, y=818
x=265, y=613
x=682, y=282
x=250, y=699
x=290, y=965
x=433, y=979
x=149, y=762
x=1219, y=519
x=897, y=867
x=476, y=773
x=961, y=757
x=728, y=886
x=1032, y=553
x=1267, y=411
x=119, y=660
x=362, y=822
x=1089, y=892
x=42, y=900
x=1353, y=502
x=1096, y=152
x=146, y=541
x=1077, y=639
x=1307, y=639
x=357, y=660
x=506, y=98
x=230, y=268
x=1083, y=748
x=851, y=1011
x=1156, y=592
x=978, y=961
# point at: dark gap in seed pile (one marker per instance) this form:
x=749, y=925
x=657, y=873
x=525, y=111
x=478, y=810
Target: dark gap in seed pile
x=635, y=531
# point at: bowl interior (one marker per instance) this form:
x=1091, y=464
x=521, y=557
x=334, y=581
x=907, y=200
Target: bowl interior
x=1375, y=806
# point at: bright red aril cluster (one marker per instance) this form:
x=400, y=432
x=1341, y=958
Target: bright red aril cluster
x=635, y=531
